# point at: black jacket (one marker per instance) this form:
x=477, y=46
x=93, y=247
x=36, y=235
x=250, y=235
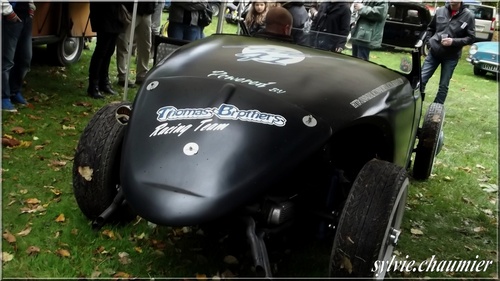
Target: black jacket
x=143, y=8
x=334, y=18
x=274, y=36
x=104, y=17
x=461, y=27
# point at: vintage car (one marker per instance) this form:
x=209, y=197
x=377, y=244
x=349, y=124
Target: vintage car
x=484, y=56
x=267, y=137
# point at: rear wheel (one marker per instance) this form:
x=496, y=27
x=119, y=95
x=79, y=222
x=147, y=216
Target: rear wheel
x=96, y=166
x=370, y=222
x=429, y=142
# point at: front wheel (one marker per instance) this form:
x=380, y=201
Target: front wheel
x=370, y=223
x=430, y=141
x=96, y=165
x=478, y=71
x=68, y=50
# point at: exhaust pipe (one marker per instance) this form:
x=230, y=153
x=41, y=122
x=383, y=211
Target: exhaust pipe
x=99, y=222
x=123, y=113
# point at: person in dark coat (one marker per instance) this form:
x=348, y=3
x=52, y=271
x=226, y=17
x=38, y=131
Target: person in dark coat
x=105, y=21
x=333, y=17
x=300, y=17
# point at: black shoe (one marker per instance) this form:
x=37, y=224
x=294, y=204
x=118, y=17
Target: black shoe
x=93, y=92
x=121, y=83
x=139, y=82
x=106, y=89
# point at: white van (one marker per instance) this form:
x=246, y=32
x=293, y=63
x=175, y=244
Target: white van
x=485, y=20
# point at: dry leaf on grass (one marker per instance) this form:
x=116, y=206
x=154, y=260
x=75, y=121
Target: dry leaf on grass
x=479, y=229
x=346, y=263
x=32, y=250
x=25, y=231
x=60, y=218
x=64, y=127
x=33, y=201
x=18, y=130
x=121, y=274
x=416, y=231
x=10, y=142
x=489, y=187
x=124, y=258
x=57, y=163
x=63, y=253
x=9, y=237
x=82, y=103
x=6, y=257
x=39, y=147
x=109, y=234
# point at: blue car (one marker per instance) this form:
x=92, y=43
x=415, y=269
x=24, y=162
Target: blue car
x=484, y=57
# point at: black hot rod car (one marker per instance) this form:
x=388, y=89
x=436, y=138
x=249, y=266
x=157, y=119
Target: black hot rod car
x=266, y=135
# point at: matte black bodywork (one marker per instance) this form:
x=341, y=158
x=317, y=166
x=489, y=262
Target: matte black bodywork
x=224, y=120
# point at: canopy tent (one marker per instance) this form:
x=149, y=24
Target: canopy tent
x=223, y=5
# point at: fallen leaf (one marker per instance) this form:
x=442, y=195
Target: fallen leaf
x=346, y=263
x=465, y=169
x=230, y=260
x=109, y=233
x=60, y=218
x=487, y=212
x=57, y=192
x=33, y=201
x=479, y=229
x=447, y=178
x=57, y=163
x=468, y=248
x=82, y=103
x=121, y=274
x=23, y=191
x=33, y=117
x=18, y=130
x=95, y=274
x=39, y=147
x=36, y=209
x=201, y=276
x=25, y=231
x=74, y=231
x=489, y=187
x=416, y=231
x=9, y=237
x=32, y=250
x=10, y=142
x=138, y=249
x=86, y=172
x=480, y=167
x=68, y=127
x=6, y=257
x=124, y=258
x=63, y=253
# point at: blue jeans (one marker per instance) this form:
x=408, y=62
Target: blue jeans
x=184, y=31
x=431, y=63
x=361, y=52
x=16, y=54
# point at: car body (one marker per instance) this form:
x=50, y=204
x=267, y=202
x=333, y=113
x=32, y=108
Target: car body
x=485, y=20
x=405, y=24
x=239, y=131
x=484, y=56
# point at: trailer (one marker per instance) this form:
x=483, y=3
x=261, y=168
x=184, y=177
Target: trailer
x=63, y=27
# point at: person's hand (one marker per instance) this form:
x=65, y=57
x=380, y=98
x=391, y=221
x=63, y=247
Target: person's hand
x=358, y=6
x=446, y=41
x=31, y=13
x=12, y=17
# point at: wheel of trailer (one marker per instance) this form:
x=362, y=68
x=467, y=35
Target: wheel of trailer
x=430, y=141
x=96, y=166
x=478, y=71
x=68, y=50
x=215, y=9
x=370, y=222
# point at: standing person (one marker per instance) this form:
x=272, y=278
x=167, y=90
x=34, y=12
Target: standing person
x=451, y=28
x=300, y=17
x=104, y=18
x=156, y=22
x=368, y=27
x=16, y=50
x=255, y=17
x=143, y=41
x=183, y=20
x=333, y=17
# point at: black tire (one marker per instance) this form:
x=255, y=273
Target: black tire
x=99, y=150
x=215, y=9
x=429, y=142
x=426, y=48
x=67, y=51
x=478, y=71
x=372, y=213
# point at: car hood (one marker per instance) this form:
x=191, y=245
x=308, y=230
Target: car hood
x=488, y=47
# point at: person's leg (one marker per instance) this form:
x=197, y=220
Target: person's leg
x=156, y=18
x=10, y=36
x=364, y=53
x=143, y=31
x=428, y=68
x=447, y=69
x=192, y=33
x=22, y=61
x=175, y=30
x=122, y=47
x=104, y=83
x=96, y=63
x=355, y=50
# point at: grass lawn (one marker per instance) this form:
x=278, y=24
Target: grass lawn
x=452, y=216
